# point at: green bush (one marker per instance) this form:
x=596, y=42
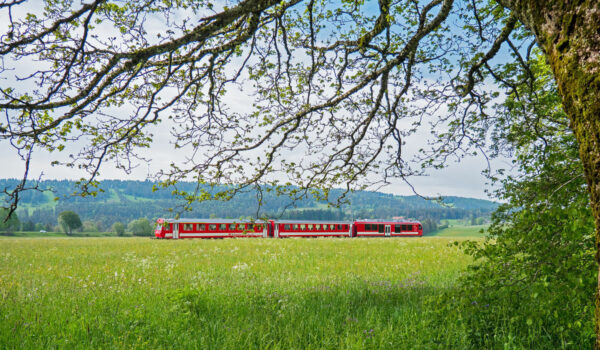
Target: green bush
x=118, y=228
x=533, y=281
x=140, y=227
x=69, y=221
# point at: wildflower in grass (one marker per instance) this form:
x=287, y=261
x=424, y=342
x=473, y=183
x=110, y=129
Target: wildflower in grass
x=240, y=266
x=369, y=333
x=351, y=320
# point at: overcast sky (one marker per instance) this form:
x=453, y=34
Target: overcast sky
x=462, y=178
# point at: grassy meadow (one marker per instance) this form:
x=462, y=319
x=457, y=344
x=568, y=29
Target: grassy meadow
x=223, y=294
x=462, y=231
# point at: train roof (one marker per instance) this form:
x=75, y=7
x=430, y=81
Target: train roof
x=369, y=221
x=312, y=222
x=228, y=221
x=211, y=221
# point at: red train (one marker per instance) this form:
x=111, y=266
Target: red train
x=221, y=228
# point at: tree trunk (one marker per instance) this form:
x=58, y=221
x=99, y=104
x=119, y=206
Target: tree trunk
x=569, y=33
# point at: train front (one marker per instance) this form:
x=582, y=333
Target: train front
x=162, y=229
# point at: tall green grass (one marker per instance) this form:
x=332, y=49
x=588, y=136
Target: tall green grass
x=462, y=231
x=225, y=294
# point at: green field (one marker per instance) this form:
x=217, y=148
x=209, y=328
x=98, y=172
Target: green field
x=462, y=231
x=218, y=294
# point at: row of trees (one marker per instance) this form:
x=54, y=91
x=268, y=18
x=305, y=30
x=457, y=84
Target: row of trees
x=69, y=222
x=117, y=203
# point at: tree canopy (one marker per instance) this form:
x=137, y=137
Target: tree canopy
x=118, y=228
x=10, y=225
x=338, y=85
x=69, y=221
x=535, y=270
x=140, y=227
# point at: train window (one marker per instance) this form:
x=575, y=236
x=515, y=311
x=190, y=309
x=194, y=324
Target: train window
x=331, y=226
x=318, y=226
x=223, y=227
x=212, y=227
x=295, y=226
x=367, y=227
x=380, y=228
x=250, y=227
x=188, y=227
x=404, y=228
x=258, y=227
x=420, y=227
x=397, y=229
x=302, y=227
x=345, y=227
x=339, y=227
x=286, y=227
x=201, y=227
x=310, y=227
x=231, y=227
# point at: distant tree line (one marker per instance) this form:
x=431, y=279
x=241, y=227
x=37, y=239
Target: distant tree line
x=69, y=221
x=126, y=201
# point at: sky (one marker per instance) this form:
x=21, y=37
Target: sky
x=462, y=178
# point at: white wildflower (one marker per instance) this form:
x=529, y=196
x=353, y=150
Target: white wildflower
x=240, y=266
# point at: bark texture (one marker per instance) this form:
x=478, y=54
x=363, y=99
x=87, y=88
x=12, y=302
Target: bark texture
x=569, y=33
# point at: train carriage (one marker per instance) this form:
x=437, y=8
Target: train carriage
x=222, y=228
x=210, y=228
x=310, y=228
x=387, y=229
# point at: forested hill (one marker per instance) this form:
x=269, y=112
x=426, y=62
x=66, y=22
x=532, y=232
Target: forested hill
x=127, y=200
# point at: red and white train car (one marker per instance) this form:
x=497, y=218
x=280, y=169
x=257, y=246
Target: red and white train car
x=222, y=228
x=306, y=228
x=210, y=228
x=387, y=229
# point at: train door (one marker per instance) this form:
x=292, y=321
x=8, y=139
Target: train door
x=272, y=226
x=387, y=230
x=175, y=231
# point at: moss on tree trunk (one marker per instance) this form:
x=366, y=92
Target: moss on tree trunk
x=569, y=33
